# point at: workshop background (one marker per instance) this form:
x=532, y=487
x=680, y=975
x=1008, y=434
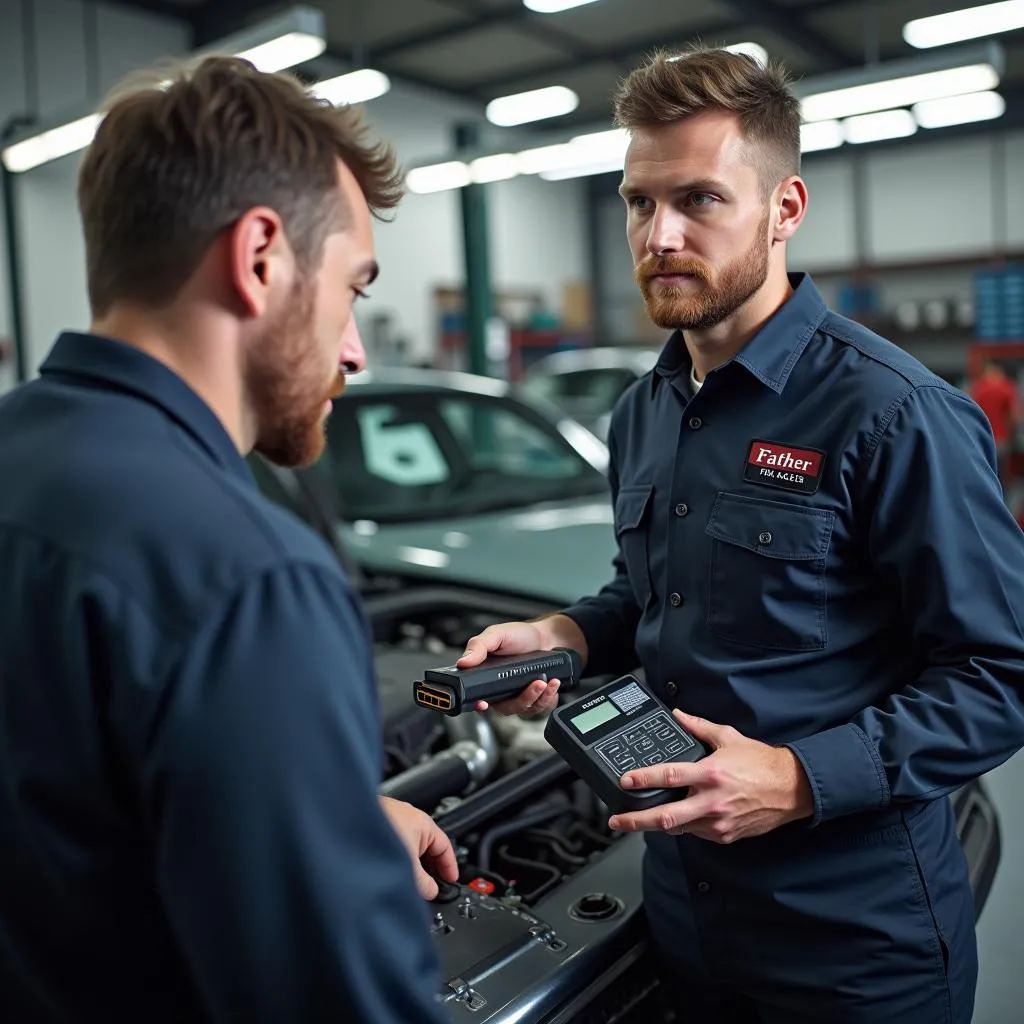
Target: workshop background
x=510, y=245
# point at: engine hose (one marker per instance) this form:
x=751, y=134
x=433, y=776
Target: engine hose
x=556, y=876
x=555, y=844
x=491, y=836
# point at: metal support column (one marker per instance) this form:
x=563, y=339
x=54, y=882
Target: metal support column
x=476, y=245
x=17, y=324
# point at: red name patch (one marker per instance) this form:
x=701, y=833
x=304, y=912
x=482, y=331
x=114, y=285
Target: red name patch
x=784, y=466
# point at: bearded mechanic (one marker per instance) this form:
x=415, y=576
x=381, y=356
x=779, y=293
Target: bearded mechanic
x=189, y=742
x=816, y=564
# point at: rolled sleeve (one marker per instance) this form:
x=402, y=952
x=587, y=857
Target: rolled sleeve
x=942, y=538
x=289, y=893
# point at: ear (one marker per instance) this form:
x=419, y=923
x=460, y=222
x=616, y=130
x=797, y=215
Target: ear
x=259, y=254
x=792, y=200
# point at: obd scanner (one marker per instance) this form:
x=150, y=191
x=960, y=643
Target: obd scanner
x=453, y=690
x=619, y=727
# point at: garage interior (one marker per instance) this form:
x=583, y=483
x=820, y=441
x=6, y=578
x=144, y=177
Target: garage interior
x=507, y=261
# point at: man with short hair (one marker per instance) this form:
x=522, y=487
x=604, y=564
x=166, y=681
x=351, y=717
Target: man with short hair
x=999, y=399
x=816, y=565
x=189, y=737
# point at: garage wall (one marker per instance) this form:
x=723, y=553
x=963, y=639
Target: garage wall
x=537, y=228
x=52, y=256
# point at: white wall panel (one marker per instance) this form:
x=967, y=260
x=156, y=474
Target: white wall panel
x=930, y=199
x=1014, y=179
x=827, y=237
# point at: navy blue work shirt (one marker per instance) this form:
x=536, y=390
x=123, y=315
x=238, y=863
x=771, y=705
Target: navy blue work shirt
x=815, y=549
x=189, y=741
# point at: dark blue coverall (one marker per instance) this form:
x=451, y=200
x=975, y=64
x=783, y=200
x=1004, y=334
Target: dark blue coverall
x=189, y=742
x=814, y=549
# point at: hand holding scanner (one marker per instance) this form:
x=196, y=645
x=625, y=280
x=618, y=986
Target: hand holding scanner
x=452, y=690
x=619, y=727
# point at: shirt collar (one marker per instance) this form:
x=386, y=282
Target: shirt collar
x=118, y=366
x=771, y=354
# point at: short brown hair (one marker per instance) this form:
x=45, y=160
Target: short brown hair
x=182, y=154
x=671, y=86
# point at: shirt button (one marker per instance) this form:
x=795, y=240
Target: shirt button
x=696, y=423
x=682, y=510
x=703, y=887
x=765, y=538
x=675, y=600
x=671, y=689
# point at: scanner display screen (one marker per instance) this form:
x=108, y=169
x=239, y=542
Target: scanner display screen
x=596, y=716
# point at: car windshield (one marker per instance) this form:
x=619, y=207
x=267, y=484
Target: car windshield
x=421, y=455
x=584, y=394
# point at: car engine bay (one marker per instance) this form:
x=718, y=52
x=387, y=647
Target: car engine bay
x=546, y=924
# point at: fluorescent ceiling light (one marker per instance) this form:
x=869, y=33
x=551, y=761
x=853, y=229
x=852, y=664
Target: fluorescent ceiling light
x=899, y=92
x=356, y=87
x=285, y=51
x=978, y=106
x=536, y=105
x=582, y=170
x=500, y=167
x=821, y=135
x=438, y=177
x=553, y=6
x=888, y=124
x=292, y=37
x=278, y=43
x=52, y=144
x=755, y=50
x=970, y=23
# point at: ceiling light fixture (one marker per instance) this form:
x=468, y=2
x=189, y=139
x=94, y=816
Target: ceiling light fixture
x=954, y=110
x=969, y=23
x=438, y=177
x=821, y=135
x=355, y=87
x=901, y=83
x=535, y=105
x=878, y=127
x=290, y=38
x=554, y=6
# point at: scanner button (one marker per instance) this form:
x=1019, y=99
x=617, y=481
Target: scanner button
x=634, y=735
x=656, y=758
x=645, y=745
x=674, y=747
x=624, y=762
x=665, y=733
x=614, y=749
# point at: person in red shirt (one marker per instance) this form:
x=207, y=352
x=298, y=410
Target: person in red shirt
x=1000, y=400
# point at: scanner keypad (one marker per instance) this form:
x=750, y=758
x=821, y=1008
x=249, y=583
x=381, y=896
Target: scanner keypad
x=655, y=740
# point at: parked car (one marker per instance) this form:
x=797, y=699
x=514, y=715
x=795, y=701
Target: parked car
x=546, y=923
x=586, y=383
x=439, y=476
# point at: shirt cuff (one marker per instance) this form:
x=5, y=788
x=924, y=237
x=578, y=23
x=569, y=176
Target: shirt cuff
x=844, y=770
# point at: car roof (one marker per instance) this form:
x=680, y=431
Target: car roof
x=627, y=357
x=391, y=379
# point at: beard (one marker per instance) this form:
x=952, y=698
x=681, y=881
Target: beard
x=708, y=298
x=286, y=384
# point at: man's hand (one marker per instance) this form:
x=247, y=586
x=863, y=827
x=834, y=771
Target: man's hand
x=424, y=841
x=743, y=788
x=522, y=638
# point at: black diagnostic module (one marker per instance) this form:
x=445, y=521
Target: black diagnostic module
x=453, y=690
x=617, y=728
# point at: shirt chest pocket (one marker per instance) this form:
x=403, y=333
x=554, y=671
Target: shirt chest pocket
x=632, y=527
x=766, y=576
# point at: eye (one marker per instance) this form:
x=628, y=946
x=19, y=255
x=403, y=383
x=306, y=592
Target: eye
x=697, y=199
x=634, y=202
x=360, y=294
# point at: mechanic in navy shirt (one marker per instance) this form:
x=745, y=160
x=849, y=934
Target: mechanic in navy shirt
x=816, y=560
x=189, y=743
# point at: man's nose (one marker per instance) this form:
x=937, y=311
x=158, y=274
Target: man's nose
x=666, y=234
x=353, y=355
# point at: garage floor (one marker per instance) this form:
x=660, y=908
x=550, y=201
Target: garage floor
x=1000, y=980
